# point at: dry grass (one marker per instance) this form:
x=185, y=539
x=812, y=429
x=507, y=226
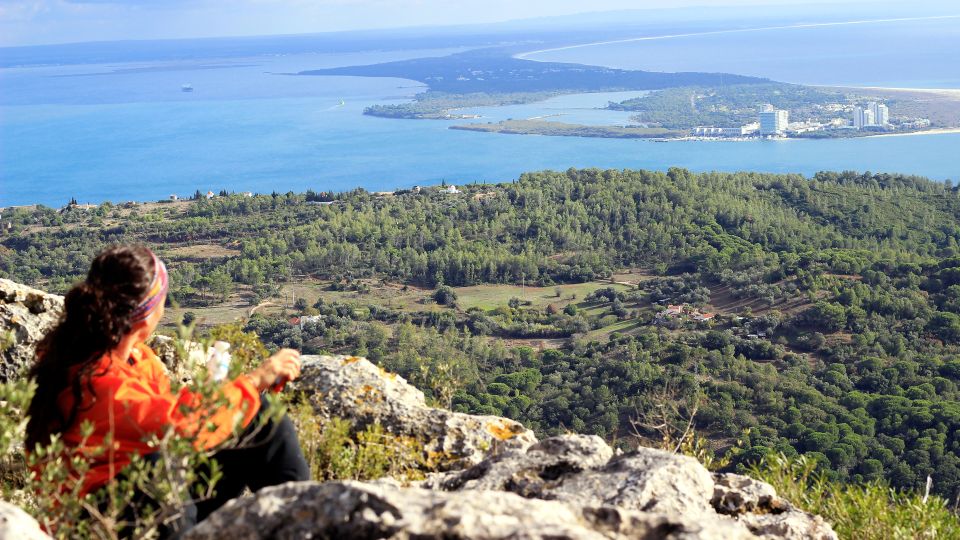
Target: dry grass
x=198, y=252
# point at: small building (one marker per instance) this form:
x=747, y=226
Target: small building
x=210, y=195
x=174, y=198
x=671, y=312
x=248, y=194
x=306, y=319
x=450, y=190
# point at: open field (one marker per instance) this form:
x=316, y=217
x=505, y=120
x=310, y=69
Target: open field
x=201, y=252
x=491, y=296
x=601, y=334
x=391, y=295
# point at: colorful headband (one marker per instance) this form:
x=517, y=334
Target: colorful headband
x=156, y=293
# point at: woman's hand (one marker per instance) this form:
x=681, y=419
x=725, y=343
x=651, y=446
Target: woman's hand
x=283, y=365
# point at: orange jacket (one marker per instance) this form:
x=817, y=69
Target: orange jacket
x=133, y=400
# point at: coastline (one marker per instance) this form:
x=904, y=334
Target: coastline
x=953, y=93
x=937, y=131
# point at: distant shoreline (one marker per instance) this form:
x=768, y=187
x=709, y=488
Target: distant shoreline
x=936, y=131
x=525, y=55
x=945, y=92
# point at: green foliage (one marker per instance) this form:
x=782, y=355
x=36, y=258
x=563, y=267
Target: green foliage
x=246, y=349
x=336, y=451
x=445, y=296
x=868, y=511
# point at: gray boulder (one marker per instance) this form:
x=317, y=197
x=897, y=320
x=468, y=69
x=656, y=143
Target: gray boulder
x=15, y=524
x=355, y=389
x=361, y=510
x=583, y=472
x=26, y=315
x=757, y=506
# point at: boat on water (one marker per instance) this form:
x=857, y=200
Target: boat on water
x=186, y=88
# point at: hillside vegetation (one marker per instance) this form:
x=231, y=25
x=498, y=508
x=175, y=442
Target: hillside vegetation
x=837, y=301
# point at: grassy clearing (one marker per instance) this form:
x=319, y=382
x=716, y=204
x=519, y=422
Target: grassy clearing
x=202, y=251
x=602, y=334
x=392, y=295
x=492, y=296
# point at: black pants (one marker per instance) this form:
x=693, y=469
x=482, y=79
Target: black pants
x=269, y=456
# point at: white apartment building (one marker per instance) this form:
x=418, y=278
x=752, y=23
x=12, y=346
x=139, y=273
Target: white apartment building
x=874, y=114
x=774, y=121
x=881, y=114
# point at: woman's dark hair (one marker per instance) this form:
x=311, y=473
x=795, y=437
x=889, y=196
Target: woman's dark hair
x=96, y=318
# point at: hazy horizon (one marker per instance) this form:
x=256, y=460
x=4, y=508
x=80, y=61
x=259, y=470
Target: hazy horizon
x=58, y=22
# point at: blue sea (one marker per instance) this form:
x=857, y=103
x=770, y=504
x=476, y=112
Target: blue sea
x=125, y=130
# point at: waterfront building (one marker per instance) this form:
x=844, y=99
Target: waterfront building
x=774, y=121
x=881, y=114
x=874, y=114
x=863, y=117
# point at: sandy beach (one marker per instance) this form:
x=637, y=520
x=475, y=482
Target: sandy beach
x=953, y=93
x=938, y=131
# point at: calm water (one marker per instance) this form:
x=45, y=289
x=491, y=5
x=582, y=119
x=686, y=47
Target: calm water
x=127, y=132
x=908, y=54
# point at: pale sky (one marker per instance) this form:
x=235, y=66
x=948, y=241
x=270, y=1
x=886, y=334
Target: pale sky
x=32, y=22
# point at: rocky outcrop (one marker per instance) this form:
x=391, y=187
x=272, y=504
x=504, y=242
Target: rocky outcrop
x=355, y=389
x=569, y=487
x=15, y=524
x=26, y=315
x=502, y=483
x=359, y=510
x=583, y=472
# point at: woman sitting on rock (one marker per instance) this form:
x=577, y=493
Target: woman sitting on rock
x=94, y=366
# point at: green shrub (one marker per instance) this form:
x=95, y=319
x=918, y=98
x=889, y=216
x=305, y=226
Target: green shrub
x=335, y=451
x=870, y=511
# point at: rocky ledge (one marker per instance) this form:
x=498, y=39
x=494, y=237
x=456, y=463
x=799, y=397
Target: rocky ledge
x=495, y=479
x=500, y=482
x=26, y=315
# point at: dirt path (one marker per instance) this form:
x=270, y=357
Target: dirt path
x=260, y=305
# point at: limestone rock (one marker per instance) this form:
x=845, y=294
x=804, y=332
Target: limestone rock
x=582, y=470
x=791, y=525
x=26, y=315
x=533, y=472
x=15, y=524
x=355, y=389
x=757, y=506
x=360, y=510
x=166, y=349
x=735, y=494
